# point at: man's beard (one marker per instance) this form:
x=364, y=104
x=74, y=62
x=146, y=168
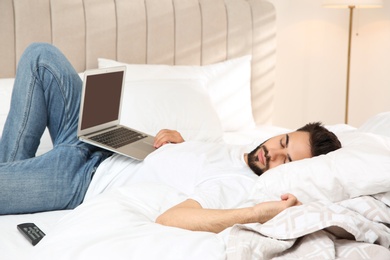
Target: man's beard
x=253, y=159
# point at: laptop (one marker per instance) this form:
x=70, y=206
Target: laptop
x=100, y=110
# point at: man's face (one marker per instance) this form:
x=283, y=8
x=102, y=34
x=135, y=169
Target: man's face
x=279, y=150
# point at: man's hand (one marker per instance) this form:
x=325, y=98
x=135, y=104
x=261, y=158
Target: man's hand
x=166, y=136
x=267, y=210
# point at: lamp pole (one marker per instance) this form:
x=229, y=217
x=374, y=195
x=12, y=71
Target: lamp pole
x=351, y=8
x=351, y=4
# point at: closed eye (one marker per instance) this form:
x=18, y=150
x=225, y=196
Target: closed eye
x=281, y=143
x=284, y=141
x=286, y=146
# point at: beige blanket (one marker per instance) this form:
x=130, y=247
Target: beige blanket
x=352, y=229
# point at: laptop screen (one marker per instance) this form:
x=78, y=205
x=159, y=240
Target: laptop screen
x=102, y=99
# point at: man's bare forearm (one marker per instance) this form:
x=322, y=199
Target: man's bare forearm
x=190, y=215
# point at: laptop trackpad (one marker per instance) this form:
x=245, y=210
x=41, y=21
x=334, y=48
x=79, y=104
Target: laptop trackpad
x=138, y=150
x=144, y=145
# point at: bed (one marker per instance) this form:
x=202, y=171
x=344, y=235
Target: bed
x=212, y=62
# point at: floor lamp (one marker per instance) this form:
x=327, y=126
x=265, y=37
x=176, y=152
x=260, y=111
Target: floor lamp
x=351, y=4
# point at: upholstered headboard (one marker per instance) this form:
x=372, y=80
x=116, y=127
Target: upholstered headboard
x=174, y=32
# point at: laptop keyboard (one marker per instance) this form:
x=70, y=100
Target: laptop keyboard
x=118, y=137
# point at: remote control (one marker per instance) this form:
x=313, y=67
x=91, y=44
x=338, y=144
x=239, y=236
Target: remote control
x=31, y=232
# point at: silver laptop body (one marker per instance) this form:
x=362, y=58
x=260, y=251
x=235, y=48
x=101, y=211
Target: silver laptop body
x=100, y=110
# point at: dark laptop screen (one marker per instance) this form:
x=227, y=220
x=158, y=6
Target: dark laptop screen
x=102, y=99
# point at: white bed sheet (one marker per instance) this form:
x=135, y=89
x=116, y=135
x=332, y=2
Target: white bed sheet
x=12, y=243
x=119, y=224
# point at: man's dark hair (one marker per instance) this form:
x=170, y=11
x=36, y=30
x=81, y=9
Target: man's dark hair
x=322, y=141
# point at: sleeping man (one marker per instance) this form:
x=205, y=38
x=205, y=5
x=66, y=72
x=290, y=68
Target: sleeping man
x=47, y=93
x=214, y=205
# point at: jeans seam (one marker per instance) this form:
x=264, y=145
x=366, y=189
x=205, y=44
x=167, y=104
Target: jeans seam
x=61, y=89
x=25, y=119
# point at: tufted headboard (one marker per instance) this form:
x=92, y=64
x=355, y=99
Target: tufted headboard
x=173, y=32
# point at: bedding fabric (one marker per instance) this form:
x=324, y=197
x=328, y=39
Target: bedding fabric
x=13, y=245
x=319, y=230
x=351, y=229
x=346, y=196
x=119, y=224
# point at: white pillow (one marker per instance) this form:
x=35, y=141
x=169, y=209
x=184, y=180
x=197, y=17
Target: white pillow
x=183, y=105
x=378, y=124
x=361, y=167
x=6, y=86
x=228, y=85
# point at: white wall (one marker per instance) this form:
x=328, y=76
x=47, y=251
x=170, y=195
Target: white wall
x=312, y=63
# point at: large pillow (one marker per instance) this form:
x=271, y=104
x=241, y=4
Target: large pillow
x=6, y=86
x=378, y=124
x=183, y=105
x=228, y=84
x=361, y=167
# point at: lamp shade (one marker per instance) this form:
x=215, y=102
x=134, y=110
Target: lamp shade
x=355, y=3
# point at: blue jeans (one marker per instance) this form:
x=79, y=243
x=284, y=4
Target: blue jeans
x=46, y=93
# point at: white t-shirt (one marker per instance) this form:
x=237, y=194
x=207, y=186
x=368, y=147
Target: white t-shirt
x=215, y=175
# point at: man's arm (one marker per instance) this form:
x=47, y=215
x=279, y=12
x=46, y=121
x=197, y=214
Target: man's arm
x=190, y=215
